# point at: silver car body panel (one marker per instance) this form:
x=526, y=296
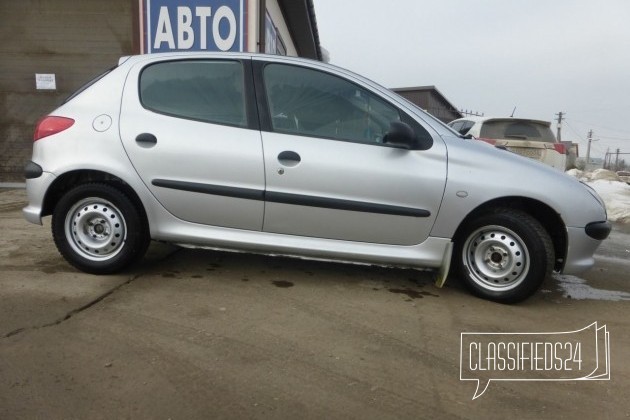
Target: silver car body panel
x=449, y=180
x=360, y=173
x=519, y=177
x=188, y=151
x=35, y=192
x=580, y=251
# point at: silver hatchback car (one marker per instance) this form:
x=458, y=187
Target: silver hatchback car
x=294, y=157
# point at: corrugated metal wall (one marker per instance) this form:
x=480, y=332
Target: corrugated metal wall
x=74, y=39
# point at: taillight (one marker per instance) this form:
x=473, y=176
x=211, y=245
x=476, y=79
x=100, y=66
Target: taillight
x=560, y=148
x=50, y=125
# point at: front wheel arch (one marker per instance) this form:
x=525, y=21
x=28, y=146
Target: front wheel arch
x=503, y=255
x=550, y=220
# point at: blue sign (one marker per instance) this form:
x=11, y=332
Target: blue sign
x=193, y=25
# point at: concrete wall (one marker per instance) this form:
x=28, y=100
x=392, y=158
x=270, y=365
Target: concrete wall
x=75, y=40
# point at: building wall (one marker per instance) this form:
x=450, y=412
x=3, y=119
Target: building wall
x=278, y=19
x=432, y=102
x=75, y=40
x=252, y=26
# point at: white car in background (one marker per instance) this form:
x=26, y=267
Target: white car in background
x=530, y=138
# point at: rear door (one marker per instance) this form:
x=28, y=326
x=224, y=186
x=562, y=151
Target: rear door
x=328, y=173
x=192, y=135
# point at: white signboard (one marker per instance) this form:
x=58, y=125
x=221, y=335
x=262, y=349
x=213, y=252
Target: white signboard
x=45, y=81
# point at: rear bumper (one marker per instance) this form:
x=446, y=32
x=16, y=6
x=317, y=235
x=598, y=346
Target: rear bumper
x=36, y=189
x=581, y=249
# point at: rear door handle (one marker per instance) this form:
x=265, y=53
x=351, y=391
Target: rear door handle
x=146, y=139
x=289, y=158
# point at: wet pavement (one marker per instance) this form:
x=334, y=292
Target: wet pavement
x=201, y=334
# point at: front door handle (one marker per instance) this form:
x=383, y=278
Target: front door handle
x=146, y=140
x=289, y=158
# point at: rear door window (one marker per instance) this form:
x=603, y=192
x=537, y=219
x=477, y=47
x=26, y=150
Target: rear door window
x=209, y=91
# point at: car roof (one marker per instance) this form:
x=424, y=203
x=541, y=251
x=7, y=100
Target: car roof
x=130, y=59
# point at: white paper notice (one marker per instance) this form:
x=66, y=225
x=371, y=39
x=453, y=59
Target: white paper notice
x=45, y=81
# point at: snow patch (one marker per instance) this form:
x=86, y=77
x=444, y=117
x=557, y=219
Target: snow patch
x=615, y=193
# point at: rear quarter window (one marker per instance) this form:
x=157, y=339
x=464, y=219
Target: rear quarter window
x=209, y=91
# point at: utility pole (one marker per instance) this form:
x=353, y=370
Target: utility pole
x=560, y=115
x=617, y=161
x=588, y=148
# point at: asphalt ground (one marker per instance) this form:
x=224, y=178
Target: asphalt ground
x=202, y=334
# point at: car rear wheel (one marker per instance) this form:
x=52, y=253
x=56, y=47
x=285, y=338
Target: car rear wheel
x=98, y=229
x=504, y=255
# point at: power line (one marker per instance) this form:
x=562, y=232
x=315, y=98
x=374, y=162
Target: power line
x=574, y=131
x=599, y=126
x=614, y=138
x=594, y=146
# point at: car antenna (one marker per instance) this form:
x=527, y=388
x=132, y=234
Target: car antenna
x=513, y=111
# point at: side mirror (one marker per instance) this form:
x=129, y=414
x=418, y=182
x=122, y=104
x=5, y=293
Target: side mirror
x=401, y=135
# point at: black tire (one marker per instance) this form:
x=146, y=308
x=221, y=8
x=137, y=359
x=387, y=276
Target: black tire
x=504, y=255
x=98, y=229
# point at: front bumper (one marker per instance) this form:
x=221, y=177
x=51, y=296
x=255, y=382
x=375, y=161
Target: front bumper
x=581, y=247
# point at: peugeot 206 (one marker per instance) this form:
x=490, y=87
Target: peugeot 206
x=288, y=156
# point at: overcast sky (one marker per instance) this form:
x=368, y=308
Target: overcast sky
x=540, y=56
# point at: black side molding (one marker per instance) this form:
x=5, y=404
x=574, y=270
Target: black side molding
x=295, y=199
x=222, y=190
x=32, y=170
x=338, y=204
x=598, y=230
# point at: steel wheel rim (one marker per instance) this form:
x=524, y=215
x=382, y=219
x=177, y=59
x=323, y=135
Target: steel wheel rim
x=95, y=229
x=496, y=258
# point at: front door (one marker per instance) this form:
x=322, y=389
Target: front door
x=328, y=173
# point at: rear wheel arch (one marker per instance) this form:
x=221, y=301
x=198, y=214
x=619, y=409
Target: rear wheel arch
x=65, y=182
x=98, y=229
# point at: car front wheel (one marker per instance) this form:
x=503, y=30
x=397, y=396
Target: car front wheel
x=504, y=255
x=98, y=229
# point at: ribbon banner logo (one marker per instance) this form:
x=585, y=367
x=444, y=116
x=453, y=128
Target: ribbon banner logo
x=556, y=356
